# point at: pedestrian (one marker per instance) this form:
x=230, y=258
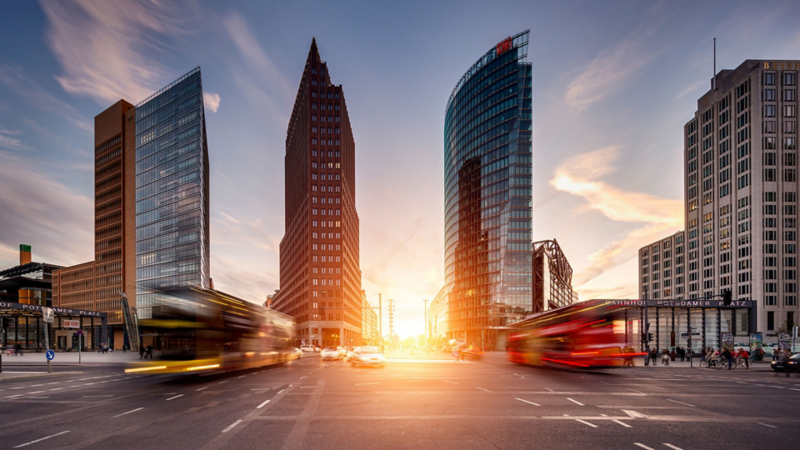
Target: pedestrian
x=682, y=352
x=124, y=348
x=665, y=357
x=726, y=354
x=746, y=356
x=141, y=351
x=150, y=349
x=18, y=349
x=672, y=355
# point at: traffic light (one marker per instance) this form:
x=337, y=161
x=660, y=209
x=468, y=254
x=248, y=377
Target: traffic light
x=649, y=337
x=727, y=297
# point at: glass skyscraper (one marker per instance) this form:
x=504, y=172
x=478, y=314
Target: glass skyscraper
x=172, y=191
x=488, y=173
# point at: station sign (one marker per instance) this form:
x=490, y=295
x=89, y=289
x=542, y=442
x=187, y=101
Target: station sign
x=503, y=46
x=72, y=324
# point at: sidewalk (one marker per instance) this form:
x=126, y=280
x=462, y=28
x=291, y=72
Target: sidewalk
x=70, y=359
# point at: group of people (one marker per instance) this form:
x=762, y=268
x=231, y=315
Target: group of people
x=726, y=355
x=146, y=351
x=666, y=355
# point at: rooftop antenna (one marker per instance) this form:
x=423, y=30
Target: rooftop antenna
x=714, y=78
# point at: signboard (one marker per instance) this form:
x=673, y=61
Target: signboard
x=755, y=340
x=727, y=340
x=63, y=311
x=24, y=248
x=503, y=46
x=48, y=314
x=50, y=355
x=784, y=340
x=685, y=303
x=72, y=324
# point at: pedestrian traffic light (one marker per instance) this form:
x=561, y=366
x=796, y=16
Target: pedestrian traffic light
x=727, y=297
x=649, y=337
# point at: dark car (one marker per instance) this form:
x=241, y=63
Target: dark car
x=787, y=365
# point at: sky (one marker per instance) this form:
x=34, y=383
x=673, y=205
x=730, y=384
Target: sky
x=614, y=83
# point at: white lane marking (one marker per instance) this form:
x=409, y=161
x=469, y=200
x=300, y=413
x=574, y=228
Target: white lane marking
x=222, y=382
x=673, y=447
x=40, y=440
x=535, y=404
x=279, y=391
x=484, y=389
x=449, y=382
x=634, y=414
x=643, y=446
x=795, y=389
x=766, y=425
x=242, y=376
x=262, y=405
x=682, y=403
x=230, y=427
x=131, y=411
x=37, y=385
x=638, y=392
x=586, y=423
x=95, y=396
x=36, y=392
x=202, y=389
x=622, y=423
x=360, y=384
x=55, y=382
x=56, y=389
x=576, y=402
x=172, y=398
x=549, y=389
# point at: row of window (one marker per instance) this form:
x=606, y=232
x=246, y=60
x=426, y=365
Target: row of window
x=314, y=141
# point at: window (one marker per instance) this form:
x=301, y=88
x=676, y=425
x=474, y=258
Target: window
x=769, y=79
x=769, y=95
x=771, y=319
x=789, y=78
x=790, y=143
x=769, y=110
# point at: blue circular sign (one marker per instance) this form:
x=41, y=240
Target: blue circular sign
x=50, y=355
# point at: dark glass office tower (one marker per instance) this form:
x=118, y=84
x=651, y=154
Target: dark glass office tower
x=488, y=165
x=172, y=191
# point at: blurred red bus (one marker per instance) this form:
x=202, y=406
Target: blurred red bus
x=588, y=334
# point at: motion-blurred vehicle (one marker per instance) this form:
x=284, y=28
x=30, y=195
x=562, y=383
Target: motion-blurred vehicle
x=342, y=351
x=471, y=354
x=199, y=330
x=588, y=334
x=330, y=353
x=297, y=353
x=790, y=365
x=307, y=348
x=368, y=356
x=351, y=353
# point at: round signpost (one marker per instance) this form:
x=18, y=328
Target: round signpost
x=50, y=355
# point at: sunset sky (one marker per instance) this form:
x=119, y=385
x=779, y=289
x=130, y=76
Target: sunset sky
x=614, y=83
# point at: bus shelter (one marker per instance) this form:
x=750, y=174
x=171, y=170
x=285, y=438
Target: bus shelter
x=692, y=324
x=22, y=324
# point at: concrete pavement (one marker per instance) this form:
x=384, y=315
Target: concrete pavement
x=406, y=405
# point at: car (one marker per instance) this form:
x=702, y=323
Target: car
x=790, y=365
x=351, y=353
x=342, y=351
x=297, y=353
x=368, y=356
x=307, y=348
x=330, y=353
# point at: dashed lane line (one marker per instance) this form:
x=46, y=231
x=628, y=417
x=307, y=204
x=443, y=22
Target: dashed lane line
x=202, y=388
x=41, y=439
x=576, y=402
x=262, y=405
x=682, y=403
x=173, y=398
x=484, y=389
x=131, y=411
x=230, y=427
x=673, y=447
x=643, y=446
x=586, y=423
x=525, y=401
x=622, y=423
x=766, y=425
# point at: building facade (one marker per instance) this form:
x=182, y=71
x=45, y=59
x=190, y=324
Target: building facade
x=740, y=179
x=437, y=317
x=95, y=285
x=370, y=329
x=487, y=173
x=552, y=277
x=320, y=275
x=172, y=191
x=662, y=268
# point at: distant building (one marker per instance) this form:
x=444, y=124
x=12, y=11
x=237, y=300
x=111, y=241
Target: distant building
x=437, y=316
x=172, y=192
x=95, y=285
x=320, y=275
x=487, y=193
x=552, y=277
x=370, y=329
x=740, y=190
x=29, y=283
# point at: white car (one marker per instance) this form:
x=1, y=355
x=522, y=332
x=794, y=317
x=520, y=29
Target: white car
x=330, y=353
x=297, y=353
x=307, y=348
x=368, y=356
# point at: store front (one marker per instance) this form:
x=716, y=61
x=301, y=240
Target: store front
x=22, y=324
x=695, y=324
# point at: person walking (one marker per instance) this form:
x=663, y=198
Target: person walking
x=746, y=356
x=18, y=349
x=726, y=355
x=665, y=357
x=141, y=351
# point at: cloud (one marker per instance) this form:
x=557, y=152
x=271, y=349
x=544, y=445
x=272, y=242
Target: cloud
x=580, y=175
x=211, y=101
x=43, y=213
x=12, y=143
x=609, y=70
x=10, y=132
x=105, y=47
x=253, y=55
x=20, y=82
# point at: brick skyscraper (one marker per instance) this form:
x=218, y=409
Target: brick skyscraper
x=319, y=255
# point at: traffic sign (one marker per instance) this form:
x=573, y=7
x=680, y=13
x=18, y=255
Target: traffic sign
x=79, y=332
x=50, y=355
x=47, y=314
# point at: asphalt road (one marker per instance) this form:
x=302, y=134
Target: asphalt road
x=406, y=405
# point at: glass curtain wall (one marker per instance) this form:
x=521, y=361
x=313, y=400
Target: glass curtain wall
x=172, y=248
x=696, y=322
x=488, y=166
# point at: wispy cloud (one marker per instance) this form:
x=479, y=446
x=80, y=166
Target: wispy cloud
x=19, y=82
x=581, y=175
x=12, y=143
x=43, y=213
x=609, y=70
x=105, y=47
x=211, y=101
x=253, y=55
